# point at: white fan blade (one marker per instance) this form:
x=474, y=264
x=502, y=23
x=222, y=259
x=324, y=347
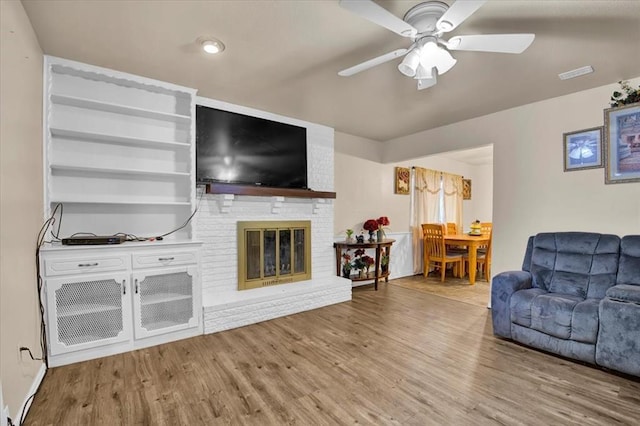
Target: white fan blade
x=457, y=14
x=501, y=43
x=425, y=83
x=372, y=63
x=379, y=15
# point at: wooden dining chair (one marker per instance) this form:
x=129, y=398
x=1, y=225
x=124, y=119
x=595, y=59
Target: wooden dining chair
x=483, y=259
x=486, y=228
x=452, y=228
x=435, y=251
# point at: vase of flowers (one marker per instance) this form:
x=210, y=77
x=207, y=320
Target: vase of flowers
x=361, y=262
x=371, y=225
x=368, y=262
x=346, y=265
x=382, y=221
x=384, y=261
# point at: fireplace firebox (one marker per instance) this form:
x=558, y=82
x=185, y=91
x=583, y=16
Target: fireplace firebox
x=273, y=252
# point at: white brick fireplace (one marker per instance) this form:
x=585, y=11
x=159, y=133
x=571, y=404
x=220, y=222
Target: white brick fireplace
x=226, y=307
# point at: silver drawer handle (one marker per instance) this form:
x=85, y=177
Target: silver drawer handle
x=164, y=259
x=86, y=265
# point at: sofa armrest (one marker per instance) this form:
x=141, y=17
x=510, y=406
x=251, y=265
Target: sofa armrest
x=624, y=293
x=503, y=286
x=513, y=281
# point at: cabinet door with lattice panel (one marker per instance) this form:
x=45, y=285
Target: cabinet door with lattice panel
x=164, y=301
x=87, y=311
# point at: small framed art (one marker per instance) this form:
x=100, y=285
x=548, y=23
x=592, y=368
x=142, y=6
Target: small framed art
x=583, y=149
x=466, y=189
x=403, y=175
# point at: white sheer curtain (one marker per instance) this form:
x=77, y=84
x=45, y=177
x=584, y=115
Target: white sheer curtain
x=425, y=207
x=452, y=185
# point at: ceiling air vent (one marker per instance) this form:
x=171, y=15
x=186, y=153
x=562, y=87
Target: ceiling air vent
x=576, y=73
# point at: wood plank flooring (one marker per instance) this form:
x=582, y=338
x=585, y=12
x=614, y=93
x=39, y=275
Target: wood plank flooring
x=452, y=288
x=395, y=356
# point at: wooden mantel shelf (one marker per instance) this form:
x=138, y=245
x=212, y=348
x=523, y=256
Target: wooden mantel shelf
x=265, y=191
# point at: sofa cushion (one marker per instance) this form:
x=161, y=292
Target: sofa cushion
x=521, y=305
x=551, y=313
x=581, y=264
x=629, y=268
x=584, y=322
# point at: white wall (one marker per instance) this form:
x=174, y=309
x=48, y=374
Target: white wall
x=531, y=192
x=365, y=187
x=21, y=209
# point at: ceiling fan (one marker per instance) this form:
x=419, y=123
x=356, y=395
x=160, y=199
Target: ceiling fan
x=425, y=24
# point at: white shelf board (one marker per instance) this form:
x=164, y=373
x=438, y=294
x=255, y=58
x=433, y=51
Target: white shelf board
x=123, y=140
x=84, y=200
x=118, y=109
x=83, y=309
x=157, y=325
x=153, y=299
x=115, y=170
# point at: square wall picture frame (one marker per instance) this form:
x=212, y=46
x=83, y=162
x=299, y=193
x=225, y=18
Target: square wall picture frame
x=583, y=149
x=402, y=179
x=622, y=144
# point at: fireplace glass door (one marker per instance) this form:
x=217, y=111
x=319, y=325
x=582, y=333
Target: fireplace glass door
x=272, y=253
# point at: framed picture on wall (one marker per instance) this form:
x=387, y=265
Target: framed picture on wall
x=622, y=144
x=403, y=176
x=583, y=149
x=466, y=189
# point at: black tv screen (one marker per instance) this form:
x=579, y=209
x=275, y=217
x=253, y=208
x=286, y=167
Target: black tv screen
x=239, y=149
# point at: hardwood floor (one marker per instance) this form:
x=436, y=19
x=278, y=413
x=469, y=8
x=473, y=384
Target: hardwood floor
x=395, y=356
x=452, y=288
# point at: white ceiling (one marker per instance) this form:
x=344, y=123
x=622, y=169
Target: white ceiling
x=283, y=56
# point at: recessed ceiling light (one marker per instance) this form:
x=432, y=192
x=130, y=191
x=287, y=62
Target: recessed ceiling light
x=211, y=45
x=576, y=73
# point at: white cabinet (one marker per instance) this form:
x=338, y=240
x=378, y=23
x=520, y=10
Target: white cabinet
x=119, y=151
x=88, y=311
x=164, y=301
x=111, y=299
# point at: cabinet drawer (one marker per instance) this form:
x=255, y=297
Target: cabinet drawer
x=166, y=258
x=81, y=265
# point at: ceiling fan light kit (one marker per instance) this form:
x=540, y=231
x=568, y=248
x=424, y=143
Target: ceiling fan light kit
x=410, y=63
x=425, y=24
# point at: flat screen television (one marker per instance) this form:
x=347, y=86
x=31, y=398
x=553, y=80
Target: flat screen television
x=239, y=149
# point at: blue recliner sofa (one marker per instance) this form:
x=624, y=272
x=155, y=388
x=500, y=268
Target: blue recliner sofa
x=578, y=296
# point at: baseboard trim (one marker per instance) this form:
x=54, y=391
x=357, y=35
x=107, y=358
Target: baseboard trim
x=26, y=404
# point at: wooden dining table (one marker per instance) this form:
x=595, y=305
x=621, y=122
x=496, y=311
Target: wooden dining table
x=472, y=242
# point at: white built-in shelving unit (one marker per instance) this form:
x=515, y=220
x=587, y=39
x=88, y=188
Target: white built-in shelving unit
x=119, y=151
x=119, y=155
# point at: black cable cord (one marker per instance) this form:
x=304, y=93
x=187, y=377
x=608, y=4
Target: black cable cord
x=24, y=348
x=188, y=219
x=26, y=404
x=50, y=222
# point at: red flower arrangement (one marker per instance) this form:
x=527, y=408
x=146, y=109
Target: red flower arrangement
x=368, y=260
x=383, y=221
x=371, y=225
